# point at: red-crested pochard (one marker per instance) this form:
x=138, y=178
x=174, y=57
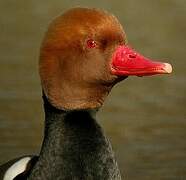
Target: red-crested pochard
x=83, y=55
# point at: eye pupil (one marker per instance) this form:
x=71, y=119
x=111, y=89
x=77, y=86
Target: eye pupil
x=91, y=43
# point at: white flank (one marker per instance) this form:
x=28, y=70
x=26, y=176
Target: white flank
x=17, y=168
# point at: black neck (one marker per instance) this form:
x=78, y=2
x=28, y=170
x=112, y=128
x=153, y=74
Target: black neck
x=74, y=147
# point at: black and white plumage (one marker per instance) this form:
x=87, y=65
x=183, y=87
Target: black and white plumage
x=74, y=147
x=18, y=168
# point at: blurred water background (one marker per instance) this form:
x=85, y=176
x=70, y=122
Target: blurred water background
x=145, y=118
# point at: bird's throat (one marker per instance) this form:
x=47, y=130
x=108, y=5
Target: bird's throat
x=74, y=147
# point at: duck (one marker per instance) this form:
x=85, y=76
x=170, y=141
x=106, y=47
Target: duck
x=84, y=53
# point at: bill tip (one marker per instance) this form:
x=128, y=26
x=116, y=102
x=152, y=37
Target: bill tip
x=167, y=68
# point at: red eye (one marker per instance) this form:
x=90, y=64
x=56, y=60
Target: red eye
x=91, y=43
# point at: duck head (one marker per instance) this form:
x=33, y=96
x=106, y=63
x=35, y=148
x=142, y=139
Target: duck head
x=84, y=54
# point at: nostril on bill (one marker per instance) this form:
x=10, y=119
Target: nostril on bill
x=132, y=56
